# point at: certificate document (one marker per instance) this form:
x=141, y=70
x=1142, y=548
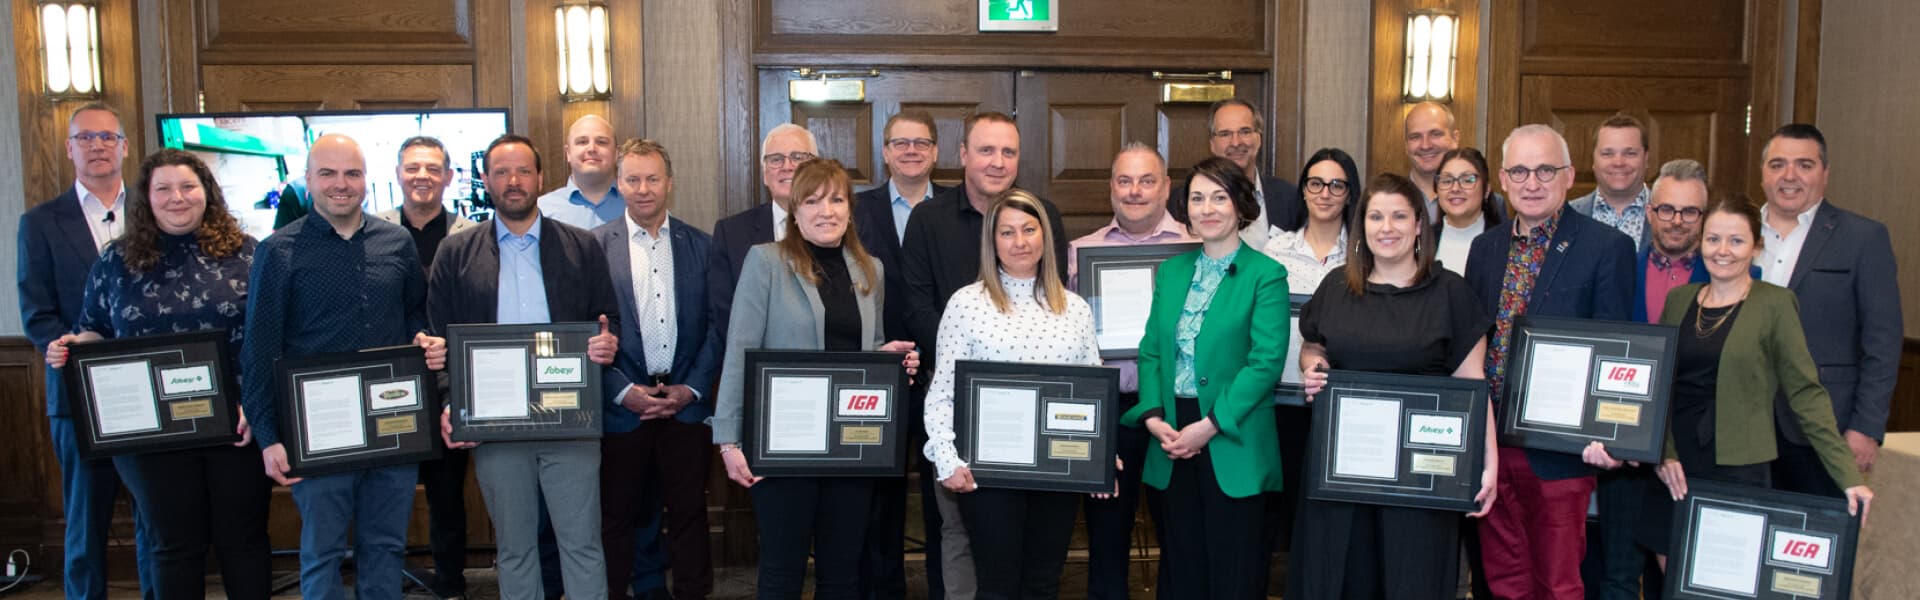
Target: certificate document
x=332, y=415
x=1007, y=421
x=123, y=397
x=1125, y=300
x=1367, y=440
x=1556, y=392
x=797, y=408
x=1726, y=552
x=499, y=382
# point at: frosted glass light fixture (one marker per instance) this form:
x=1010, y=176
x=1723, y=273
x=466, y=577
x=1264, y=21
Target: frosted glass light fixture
x=1431, y=38
x=70, y=48
x=580, y=27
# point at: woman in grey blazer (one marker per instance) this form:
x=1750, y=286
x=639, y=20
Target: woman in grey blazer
x=815, y=289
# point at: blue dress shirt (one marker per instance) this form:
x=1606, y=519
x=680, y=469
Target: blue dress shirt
x=568, y=205
x=523, y=294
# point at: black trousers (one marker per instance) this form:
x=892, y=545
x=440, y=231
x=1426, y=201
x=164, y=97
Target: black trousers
x=1019, y=540
x=1293, y=424
x=1798, y=469
x=1215, y=544
x=192, y=500
x=825, y=515
x=446, y=483
x=1368, y=552
x=670, y=460
x=883, y=573
x=1110, y=522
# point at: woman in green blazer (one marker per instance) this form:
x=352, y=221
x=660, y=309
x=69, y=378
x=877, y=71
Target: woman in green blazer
x=1215, y=345
x=1740, y=346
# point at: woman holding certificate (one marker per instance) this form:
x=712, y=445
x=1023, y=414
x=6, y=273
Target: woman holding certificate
x=1214, y=347
x=1389, y=310
x=1019, y=311
x=182, y=266
x=1741, y=345
x=815, y=289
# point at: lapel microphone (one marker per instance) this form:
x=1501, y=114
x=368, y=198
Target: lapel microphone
x=1231, y=268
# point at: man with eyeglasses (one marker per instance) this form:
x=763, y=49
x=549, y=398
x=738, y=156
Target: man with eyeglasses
x=58, y=242
x=910, y=147
x=1620, y=170
x=1234, y=133
x=781, y=153
x=1551, y=262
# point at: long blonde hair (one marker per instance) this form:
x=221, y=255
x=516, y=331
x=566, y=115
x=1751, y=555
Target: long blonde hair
x=1048, y=291
x=812, y=177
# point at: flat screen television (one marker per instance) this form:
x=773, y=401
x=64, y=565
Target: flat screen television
x=256, y=155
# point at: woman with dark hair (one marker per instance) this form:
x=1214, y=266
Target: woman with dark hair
x=815, y=289
x=1388, y=311
x=1741, y=346
x=1315, y=241
x=182, y=266
x=1215, y=345
x=1019, y=311
x=1467, y=204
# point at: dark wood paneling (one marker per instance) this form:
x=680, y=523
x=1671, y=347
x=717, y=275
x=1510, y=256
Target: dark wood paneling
x=1906, y=392
x=933, y=28
x=29, y=475
x=1386, y=138
x=336, y=87
x=1635, y=30
x=305, y=22
x=1686, y=118
x=1182, y=138
x=845, y=132
x=1806, y=63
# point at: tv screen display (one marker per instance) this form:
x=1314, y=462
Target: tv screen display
x=256, y=156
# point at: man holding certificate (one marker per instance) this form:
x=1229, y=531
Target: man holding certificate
x=521, y=268
x=336, y=280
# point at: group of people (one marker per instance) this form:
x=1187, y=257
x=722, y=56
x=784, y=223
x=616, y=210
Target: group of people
x=1787, y=312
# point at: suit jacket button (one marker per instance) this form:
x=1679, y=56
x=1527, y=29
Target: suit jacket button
x=1203, y=381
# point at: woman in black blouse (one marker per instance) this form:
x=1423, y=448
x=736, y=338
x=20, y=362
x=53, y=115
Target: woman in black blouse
x=1389, y=310
x=182, y=266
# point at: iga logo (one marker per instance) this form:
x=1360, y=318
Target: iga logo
x=1802, y=549
x=1621, y=377
x=864, y=403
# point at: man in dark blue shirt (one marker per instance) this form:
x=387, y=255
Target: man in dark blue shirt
x=336, y=280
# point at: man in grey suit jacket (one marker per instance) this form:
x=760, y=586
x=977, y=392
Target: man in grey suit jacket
x=1621, y=199
x=1840, y=265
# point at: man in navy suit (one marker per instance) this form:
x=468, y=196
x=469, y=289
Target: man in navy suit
x=1234, y=133
x=1840, y=265
x=58, y=243
x=657, y=441
x=910, y=145
x=1549, y=262
x=781, y=153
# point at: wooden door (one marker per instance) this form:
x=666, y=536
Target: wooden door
x=1701, y=119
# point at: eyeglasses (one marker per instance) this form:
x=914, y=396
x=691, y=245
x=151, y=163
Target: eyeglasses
x=1543, y=173
x=780, y=160
x=902, y=144
x=105, y=137
x=1687, y=215
x=1463, y=181
x=1316, y=185
x=1245, y=132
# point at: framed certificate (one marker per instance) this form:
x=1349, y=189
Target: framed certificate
x=1736, y=541
x=1289, y=392
x=825, y=414
x=347, y=411
x=1575, y=381
x=1398, y=440
x=153, y=393
x=1038, y=427
x=523, y=382
x=1117, y=282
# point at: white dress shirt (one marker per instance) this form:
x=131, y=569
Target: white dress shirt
x=650, y=262
x=1256, y=233
x=779, y=222
x=103, y=229
x=1304, y=270
x=1780, y=253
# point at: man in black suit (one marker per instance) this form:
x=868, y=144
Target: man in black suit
x=1840, y=265
x=58, y=242
x=1234, y=133
x=910, y=145
x=781, y=153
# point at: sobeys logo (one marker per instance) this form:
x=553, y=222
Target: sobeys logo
x=1436, y=430
x=185, y=380
x=393, y=394
x=558, y=370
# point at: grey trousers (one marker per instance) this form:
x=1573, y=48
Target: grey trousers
x=956, y=551
x=513, y=476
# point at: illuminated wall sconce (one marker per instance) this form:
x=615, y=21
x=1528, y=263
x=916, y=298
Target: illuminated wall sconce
x=1431, y=38
x=70, y=48
x=581, y=26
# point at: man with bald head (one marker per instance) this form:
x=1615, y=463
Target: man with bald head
x=589, y=199
x=1552, y=262
x=1430, y=134
x=336, y=280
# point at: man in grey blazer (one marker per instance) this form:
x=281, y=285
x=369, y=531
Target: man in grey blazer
x=1620, y=200
x=1840, y=265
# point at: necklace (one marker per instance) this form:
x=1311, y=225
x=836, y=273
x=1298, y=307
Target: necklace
x=1701, y=327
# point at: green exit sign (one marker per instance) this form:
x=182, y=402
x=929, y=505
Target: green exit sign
x=1019, y=15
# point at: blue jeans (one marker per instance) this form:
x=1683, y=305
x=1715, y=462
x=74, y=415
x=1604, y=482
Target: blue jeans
x=374, y=504
x=88, y=488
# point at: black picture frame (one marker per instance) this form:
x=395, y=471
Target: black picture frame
x=187, y=380
x=1431, y=466
x=1625, y=392
x=561, y=385
x=1093, y=262
x=1806, y=546
x=854, y=441
x=397, y=412
x=1290, y=393
x=1071, y=453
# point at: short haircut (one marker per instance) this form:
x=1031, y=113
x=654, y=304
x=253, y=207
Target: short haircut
x=642, y=147
x=813, y=145
x=1259, y=122
x=911, y=116
x=1800, y=131
x=1139, y=146
x=423, y=141
x=510, y=138
x=1536, y=129
x=1222, y=172
x=99, y=106
x=1444, y=110
x=1684, y=169
x=1622, y=120
x=966, y=133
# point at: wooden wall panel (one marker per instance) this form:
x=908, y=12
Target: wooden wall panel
x=1183, y=139
x=29, y=475
x=844, y=132
x=271, y=87
x=1699, y=119
x=1635, y=30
